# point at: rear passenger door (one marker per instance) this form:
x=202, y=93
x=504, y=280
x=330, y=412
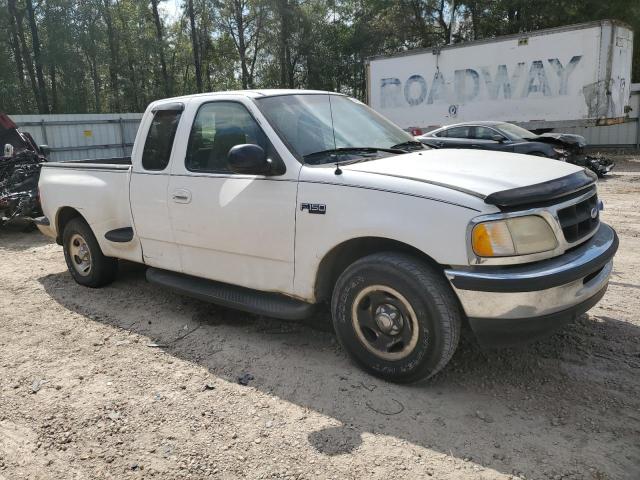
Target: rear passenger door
x=148, y=187
x=455, y=137
x=233, y=228
x=484, y=139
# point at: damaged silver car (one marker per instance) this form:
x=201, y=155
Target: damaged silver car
x=507, y=137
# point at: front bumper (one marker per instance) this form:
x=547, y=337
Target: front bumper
x=510, y=304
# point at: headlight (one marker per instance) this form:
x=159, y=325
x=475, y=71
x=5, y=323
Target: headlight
x=513, y=236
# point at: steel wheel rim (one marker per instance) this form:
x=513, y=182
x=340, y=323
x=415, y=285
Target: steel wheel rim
x=80, y=255
x=385, y=322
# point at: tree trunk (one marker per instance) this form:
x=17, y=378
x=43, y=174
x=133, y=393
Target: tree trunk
x=446, y=27
x=26, y=56
x=242, y=47
x=283, y=38
x=195, y=46
x=160, y=38
x=93, y=65
x=37, y=56
x=130, y=61
x=17, y=55
x=54, y=88
x=256, y=44
x=206, y=51
x=113, y=57
x=475, y=20
x=185, y=80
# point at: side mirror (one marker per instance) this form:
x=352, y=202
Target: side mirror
x=249, y=159
x=497, y=138
x=44, y=149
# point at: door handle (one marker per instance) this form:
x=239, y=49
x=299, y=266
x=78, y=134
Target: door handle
x=181, y=195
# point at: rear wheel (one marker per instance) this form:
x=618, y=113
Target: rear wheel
x=85, y=261
x=396, y=316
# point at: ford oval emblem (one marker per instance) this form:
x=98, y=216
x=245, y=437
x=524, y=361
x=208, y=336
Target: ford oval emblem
x=594, y=212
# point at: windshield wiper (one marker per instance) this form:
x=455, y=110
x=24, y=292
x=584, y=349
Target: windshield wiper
x=355, y=150
x=408, y=145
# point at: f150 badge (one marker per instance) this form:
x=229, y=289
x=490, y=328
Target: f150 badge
x=316, y=208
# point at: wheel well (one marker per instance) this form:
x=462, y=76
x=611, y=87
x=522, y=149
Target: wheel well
x=343, y=255
x=65, y=215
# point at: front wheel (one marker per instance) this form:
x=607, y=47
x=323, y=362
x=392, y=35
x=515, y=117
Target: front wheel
x=85, y=261
x=396, y=316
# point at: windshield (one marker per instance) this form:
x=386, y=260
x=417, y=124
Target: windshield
x=515, y=132
x=323, y=124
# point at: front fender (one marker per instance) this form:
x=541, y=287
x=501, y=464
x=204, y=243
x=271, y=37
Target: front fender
x=433, y=227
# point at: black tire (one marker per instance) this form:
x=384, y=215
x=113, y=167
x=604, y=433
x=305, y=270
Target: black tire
x=403, y=278
x=102, y=270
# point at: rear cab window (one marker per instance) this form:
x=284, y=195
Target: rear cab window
x=159, y=141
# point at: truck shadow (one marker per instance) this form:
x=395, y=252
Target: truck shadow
x=504, y=410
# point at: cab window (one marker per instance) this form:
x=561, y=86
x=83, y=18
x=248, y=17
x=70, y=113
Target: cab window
x=484, y=133
x=159, y=141
x=217, y=128
x=458, y=132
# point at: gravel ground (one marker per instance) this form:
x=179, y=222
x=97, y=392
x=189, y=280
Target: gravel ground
x=133, y=382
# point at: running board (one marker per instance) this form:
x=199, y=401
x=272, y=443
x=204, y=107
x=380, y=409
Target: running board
x=252, y=301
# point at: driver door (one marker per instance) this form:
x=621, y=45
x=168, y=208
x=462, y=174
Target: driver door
x=232, y=228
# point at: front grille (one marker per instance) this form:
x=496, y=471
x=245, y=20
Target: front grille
x=576, y=220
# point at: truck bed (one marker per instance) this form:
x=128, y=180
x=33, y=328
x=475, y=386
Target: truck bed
x=99, y=191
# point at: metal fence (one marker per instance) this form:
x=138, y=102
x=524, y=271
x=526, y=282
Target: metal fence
x=82, y=136
x=624, y=135
x=85, y=136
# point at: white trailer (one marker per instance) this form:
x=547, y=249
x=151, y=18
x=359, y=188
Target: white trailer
x=576, y=75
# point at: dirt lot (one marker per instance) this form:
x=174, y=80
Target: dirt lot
x=134, y=382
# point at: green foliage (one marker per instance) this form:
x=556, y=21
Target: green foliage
x=116, y=55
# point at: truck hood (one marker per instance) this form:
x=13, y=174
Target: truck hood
x=478, y=173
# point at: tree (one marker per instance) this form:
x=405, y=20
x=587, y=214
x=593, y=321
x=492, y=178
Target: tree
x=14, y=44
x=118, y=55
x=244, y=21
x=16, y=19
x=196, y=48
x=160, y=38
x=114, y=55
x=37, y=56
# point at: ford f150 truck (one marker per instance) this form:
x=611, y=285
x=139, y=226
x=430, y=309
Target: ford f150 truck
x=274, y=201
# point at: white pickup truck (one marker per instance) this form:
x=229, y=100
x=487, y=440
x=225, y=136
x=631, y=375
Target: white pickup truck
x=273, y=201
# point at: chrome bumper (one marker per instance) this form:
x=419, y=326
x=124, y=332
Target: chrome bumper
x=553, y=290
